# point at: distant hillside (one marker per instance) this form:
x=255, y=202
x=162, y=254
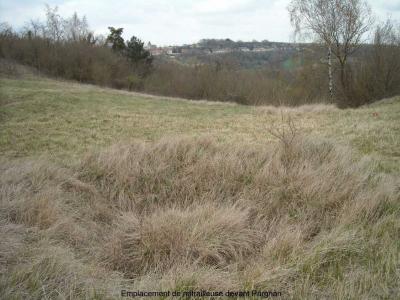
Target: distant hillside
x=246, y=55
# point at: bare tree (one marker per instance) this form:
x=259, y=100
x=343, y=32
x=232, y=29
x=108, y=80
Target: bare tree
x=339, y=24
x=385, y=60
x=5, y=29
x=54, y=24
x=75, y=28
x=34, y=29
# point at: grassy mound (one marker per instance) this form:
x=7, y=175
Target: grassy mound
x=303, y=217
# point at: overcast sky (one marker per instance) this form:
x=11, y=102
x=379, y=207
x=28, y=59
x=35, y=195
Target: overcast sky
x=169, y=22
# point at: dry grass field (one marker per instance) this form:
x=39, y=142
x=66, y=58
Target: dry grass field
x=103, y=190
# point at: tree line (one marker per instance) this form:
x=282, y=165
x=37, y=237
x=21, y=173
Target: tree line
x=340, y=66
x=67, y=48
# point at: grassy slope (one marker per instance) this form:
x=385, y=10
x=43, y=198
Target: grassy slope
x=65, y=119
x=327, y=225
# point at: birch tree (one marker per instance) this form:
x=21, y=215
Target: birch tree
x=339, y=24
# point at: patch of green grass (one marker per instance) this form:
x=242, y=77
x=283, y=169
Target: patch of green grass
x=64, y=120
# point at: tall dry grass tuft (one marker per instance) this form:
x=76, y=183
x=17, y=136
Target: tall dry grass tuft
x=303, y=216
x=204, y=235
x=28, y=195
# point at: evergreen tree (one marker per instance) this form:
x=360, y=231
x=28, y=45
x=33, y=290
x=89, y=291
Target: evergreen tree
x=115, y=37
x=136, y=53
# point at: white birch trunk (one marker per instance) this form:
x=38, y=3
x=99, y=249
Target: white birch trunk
x=330, y=73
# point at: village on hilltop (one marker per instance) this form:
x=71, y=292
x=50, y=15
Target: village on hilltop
x=214, y=46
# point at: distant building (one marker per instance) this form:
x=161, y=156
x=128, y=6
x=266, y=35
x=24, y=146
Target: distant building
x=186, y=50
x=260, y=49
x=263, y=49
x=150, y=46
x=156, y=51
x=223, y=50
x=169, y=50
